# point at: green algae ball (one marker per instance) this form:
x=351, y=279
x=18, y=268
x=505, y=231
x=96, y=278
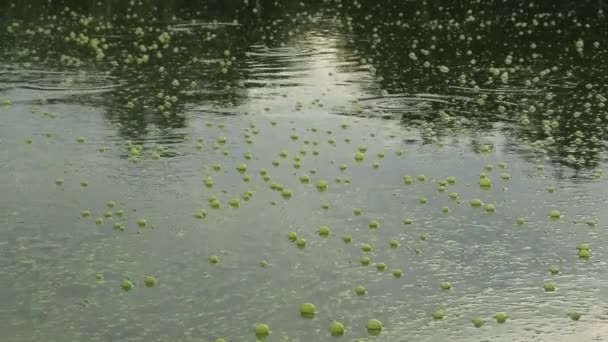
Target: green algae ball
x=84, y=184
x=275, y=163
x=366, y=247
x=394, y=243
x=336, y=328
x=215, y=203
x=119, y=212
x=108, y=214
x=357, y=211
x=380, y=266
x=347, y=238
x=408, y=179
x=554, y=270
x=292, y=236
x=445, y=209
x=575, y=316
x=555, y=214
x=217, y=166
x=214, y=259
x=359, y=156
x=241, y=168
x=365, y=260
x=438, y=314
x=490, y=208
x=150, y=281
x=501, y=317
x=505, y=176
x=58, y=181
x=453, y=195
x=520, y=220
x=441, y=188
x=308, y=309
x=446, y=285
x=476, y=202
x=324, y=231
x=485, y=182
x=118, y=226
x=485, y=148
x=362, y=148
x=583, y=246
x=201, y=214
x=220, y=340
x=407, y=220
x=397, y=273
x=300, y=242
x=126, y=284
x=286, y=193
x=376, y=165
x=304, y=178
x=262, y=329
x=325, y=205
x=478, y=322
x=584, y=253
x=549, y=286
x=423, y=200
x=85, y=213
x=360, y=290
x=81, y=139
x=374, y=224
x=322, y=185
x=421, y=178
x=99, y=220
x=234, y=202
x=111, y=204
x=374, y=324
x=142, y=222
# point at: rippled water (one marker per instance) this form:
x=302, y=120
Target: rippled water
x=315, y=80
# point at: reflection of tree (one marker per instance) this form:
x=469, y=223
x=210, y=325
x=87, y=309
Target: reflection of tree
x=200, y=60
x=451, y=33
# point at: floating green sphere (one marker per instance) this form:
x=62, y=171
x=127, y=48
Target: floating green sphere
x=366, y=247
x=360, y=290
x=421, y=178
x=347, y=238
x=85, y=213
x=374, y=224
x=407, y=220
x=242, y=168
x=476, y=202
x=357, y=211
x=485, y=182
x=374, y=324
x=408, y=179
x=490, y=208
x=453, y=195
x=380, y=266
x=220, y=340
x=575, y=316
x=555, y=214
x=584, y=253
x=478, y=322
x=397, y=273
x=520, y=220
x=214, y=259
x=394, y=243
x=150, y=281
x=324, y=231
x=142, y=222
x=304, y=178
x=322, y=185
x=99, y=220
x=549, y=286
x=336, y=328
x=445, y=209
x=501, y=317
x=110, y=204
x=99, y=277
x=365, y=260
x=308, y=309
x=126, y=285
x=438, y=314
x=446, y=285
x=300, y=242
x=423, y=200
x=292, y=236
x=554, y=270
x=262, y=329
x=583, y=246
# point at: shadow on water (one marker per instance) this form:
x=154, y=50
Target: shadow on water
x=446, y=67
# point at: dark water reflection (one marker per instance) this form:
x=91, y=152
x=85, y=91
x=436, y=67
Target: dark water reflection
x=220, y=51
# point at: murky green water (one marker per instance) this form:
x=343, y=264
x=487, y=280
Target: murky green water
x=144, y=101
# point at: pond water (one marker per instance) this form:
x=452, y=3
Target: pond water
x=154, y=156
